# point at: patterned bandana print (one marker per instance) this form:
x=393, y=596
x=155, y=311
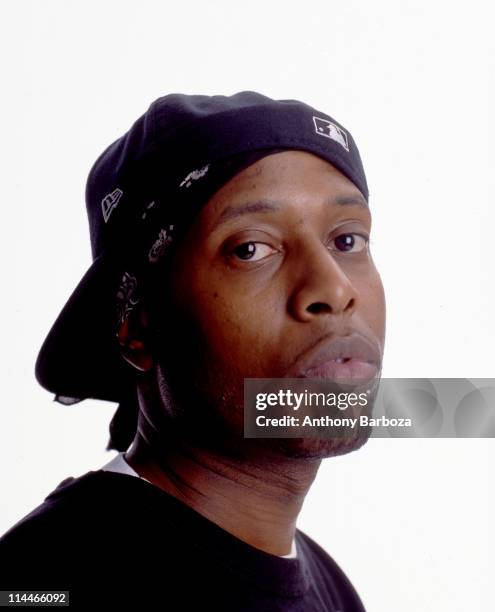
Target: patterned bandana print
x=128, y=294
x=161, y=244
x=127, y=297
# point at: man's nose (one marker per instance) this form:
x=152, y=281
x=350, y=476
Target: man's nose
x=321, y=286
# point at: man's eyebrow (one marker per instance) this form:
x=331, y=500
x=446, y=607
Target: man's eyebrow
x=237, y=210
x=350, y=200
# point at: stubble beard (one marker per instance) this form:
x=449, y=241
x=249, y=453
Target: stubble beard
x=206, y=409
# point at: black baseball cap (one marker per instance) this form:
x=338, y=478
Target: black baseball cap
x=156, y=176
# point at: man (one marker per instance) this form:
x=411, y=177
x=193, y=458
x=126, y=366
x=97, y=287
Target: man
x=230, y=238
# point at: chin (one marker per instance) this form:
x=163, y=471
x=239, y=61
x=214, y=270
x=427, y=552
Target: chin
x=312, y=448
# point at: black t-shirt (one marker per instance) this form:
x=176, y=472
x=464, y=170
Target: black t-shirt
x=119, y=541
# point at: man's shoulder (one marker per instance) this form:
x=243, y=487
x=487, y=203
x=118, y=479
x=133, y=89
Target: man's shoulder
x=78, y=510
x=43, y=521
x=89, y=529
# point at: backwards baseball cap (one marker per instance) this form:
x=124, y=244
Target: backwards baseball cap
x=143, y=191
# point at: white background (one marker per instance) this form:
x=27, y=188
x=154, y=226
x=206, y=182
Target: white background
x=410, y=521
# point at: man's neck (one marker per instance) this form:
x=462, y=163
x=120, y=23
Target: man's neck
x=257, y=499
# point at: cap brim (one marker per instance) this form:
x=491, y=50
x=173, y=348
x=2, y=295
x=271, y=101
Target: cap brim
x=80, y=356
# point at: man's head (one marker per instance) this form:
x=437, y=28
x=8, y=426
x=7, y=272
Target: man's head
x=275, y=266
x=208, y=294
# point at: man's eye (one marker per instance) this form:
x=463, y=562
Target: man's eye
x=351, y=243
x=252, y=251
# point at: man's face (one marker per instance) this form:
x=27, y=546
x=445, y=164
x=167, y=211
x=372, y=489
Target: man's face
x=275, y=267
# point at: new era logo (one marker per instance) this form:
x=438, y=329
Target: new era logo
x=326, y=128
x=109, y=202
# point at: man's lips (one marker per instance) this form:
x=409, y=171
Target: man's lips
x=350, y=370
x=351, y=357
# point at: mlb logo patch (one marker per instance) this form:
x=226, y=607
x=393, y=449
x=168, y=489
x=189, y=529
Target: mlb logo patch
x=326, y=128
x=109, y=202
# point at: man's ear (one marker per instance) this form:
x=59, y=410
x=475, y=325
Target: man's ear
x=132, y=336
